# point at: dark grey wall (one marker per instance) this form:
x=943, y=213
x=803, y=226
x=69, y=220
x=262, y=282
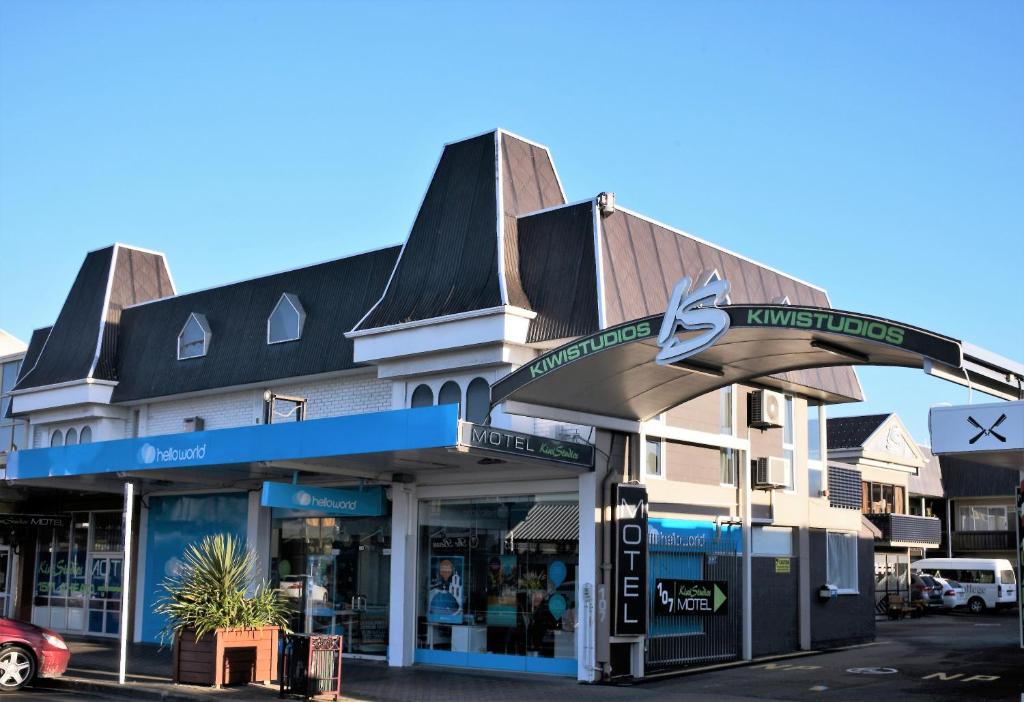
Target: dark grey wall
x=848, y=618
x=776, y=607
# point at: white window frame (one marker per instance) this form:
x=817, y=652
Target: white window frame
x=207, y=335
x=663, y=447
x=737, y=461
x=856, y=561
x=732, y=409
x=293, y=301
x=789, y=407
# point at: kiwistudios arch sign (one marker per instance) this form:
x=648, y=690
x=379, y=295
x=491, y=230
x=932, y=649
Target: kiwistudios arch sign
x=699, y=335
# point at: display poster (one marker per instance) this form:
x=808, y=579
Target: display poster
x=444, y=599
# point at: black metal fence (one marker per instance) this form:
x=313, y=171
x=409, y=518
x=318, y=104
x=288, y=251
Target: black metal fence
x=676, y=641
x=310, y=665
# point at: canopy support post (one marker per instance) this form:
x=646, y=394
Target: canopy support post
x=126, y=572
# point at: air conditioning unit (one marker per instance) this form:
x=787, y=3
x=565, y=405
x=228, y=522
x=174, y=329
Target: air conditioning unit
x=767, y=409
x=769, y=473
x=194, y=424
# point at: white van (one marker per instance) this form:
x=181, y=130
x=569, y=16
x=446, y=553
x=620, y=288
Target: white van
x=990, y=582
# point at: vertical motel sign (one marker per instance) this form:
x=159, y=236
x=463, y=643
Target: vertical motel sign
x=630, y=560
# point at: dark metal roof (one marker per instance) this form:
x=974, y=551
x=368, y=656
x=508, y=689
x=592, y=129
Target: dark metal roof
x=643, y=260
x=556, y=262
x=70, y=347
x=334, y=295
x=852, y=432
x=108, y=280
x=964, y=478
x=450, y=262
x=35, y=345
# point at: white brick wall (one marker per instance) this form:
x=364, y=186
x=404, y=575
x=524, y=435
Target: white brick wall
x=324, y=398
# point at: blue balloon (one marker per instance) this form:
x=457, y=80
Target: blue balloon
x=556, y=605
x=556, y=573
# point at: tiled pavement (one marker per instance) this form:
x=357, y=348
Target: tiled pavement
x=94, y=668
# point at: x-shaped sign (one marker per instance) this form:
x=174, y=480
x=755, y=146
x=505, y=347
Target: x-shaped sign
x=991, y=431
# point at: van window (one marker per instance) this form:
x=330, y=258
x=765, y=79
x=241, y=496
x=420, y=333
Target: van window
x=1006, y=577
x=978, y=577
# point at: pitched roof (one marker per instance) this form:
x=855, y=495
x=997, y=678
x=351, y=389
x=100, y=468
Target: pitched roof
x=928, y=481
x=852, y=432
x=333, y=294
x=462, y=255
x=81, y=344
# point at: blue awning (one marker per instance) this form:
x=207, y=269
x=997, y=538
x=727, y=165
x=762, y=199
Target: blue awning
x=377, y=432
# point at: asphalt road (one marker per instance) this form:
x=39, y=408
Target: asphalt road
x=939, y=657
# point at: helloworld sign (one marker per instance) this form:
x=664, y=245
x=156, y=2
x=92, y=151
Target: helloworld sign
x=309, y=500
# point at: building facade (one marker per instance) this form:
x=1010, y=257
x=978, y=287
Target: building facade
x=339, y=418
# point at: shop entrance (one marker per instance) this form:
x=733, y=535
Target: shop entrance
x=5, y=580
x=336, y=574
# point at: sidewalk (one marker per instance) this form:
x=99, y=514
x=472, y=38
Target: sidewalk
x=94, y=663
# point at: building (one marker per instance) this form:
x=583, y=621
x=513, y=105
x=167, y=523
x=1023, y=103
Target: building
x=339, y=417
x=888, y=464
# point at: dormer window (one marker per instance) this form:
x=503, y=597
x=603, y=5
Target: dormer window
x=194, y=339
x=286, y=320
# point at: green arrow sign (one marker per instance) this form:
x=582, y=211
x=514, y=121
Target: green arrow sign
x=719, y=597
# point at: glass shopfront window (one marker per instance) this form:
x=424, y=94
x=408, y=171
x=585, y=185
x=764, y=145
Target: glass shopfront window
x=336, y=574
x=497, y=583
x=77, y=584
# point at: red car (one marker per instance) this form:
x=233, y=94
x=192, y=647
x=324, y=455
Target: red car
x=28, y=651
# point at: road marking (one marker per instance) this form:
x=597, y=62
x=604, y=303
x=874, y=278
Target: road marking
x=786, y=666
x=946, y=677
x=819, y=688
x=871, y=671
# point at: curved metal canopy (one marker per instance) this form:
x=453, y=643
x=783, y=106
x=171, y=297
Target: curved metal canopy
x=614, y=373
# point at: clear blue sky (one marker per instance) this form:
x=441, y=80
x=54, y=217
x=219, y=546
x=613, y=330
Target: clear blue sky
x=874, y=148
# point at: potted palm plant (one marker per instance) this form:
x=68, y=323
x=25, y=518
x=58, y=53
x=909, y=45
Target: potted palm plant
x=224, y=625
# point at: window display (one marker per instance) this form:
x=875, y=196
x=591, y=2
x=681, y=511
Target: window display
x=498, y=577
x=336, y=574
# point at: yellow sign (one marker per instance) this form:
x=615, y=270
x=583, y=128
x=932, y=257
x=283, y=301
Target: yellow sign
x=782, y=565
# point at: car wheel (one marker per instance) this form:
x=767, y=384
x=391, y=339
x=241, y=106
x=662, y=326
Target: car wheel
x=17, y=667
x=976, y=605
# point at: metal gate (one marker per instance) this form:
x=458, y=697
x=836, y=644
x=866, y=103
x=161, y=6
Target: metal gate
x=694, y=551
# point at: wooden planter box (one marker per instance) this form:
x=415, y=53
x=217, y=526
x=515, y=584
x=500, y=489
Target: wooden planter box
x=226, y=657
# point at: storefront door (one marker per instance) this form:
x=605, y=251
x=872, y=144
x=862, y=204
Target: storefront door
x=5, y=580
x=336, y=573
x=497, y=583
x=105, y=588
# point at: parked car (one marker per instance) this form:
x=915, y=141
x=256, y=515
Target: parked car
x=990, y=582
x=930, y=589
x=27, y=652
x=953, y=593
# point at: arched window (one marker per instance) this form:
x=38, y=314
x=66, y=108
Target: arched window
x=450, y=394
x=194, y=338
x=286, y=320
x=71, y=438
x=478, y=400
x=422, y=396
x=86, y=436
x=57, y=438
